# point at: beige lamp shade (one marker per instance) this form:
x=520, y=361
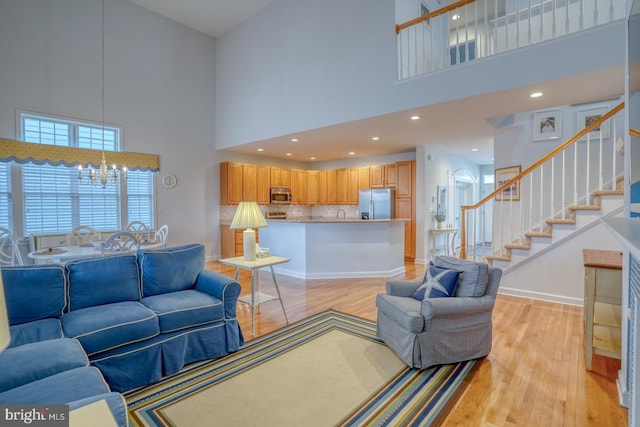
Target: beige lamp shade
x=5, y=335
x=248, y=216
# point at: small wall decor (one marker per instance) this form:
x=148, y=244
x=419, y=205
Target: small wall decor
x=586, y=117
x=502, y=176
x=169, y=180
x=547, y=125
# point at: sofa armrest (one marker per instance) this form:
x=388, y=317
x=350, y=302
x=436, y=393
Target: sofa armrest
x=402, y=288
x=456, y=306
x=222, y=287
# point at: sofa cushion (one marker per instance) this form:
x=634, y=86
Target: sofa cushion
x=474, y=278
x=103, y=280
x=170, y=269
x=438, y=283
x=34, y=292
x=38, y=330
x=108, y=326
x=32, y=362
x=62, y=388
x=183, y=309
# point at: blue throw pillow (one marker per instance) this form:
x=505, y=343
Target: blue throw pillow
x=438, y=283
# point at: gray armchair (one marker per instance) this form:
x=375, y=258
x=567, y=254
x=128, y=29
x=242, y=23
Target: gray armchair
x=436, y=331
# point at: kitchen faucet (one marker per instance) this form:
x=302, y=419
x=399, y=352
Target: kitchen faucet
x=344, y=215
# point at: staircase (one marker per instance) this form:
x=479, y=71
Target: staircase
x=538, y=241
x=556, y=199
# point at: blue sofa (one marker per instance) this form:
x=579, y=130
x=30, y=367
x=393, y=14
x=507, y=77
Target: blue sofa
x=134, y=317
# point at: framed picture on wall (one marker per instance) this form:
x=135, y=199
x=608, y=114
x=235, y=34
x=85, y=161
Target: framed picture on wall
x=587, y=117
x=504, y=175
x=547, y=125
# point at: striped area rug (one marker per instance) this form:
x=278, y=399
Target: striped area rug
x=329, y=369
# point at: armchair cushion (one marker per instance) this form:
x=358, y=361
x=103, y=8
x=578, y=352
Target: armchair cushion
x=438, y=283
x=474, y=277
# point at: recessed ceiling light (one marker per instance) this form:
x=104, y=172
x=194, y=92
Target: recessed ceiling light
x=455, y=17
x=294, y=139
x=536, y=95
x=474, y=149
x=312, y=158
x=415, y=117
x=288, y=154
x=261, y=149
x=351, y=153
x=375, y=138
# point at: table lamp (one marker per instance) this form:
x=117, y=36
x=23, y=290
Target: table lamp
x=5, y=334
x=248, y=216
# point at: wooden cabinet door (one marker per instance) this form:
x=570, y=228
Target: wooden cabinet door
x=341, y=186
x=313, y=187
x=264, y=185
x=280, y=177
x=332, y=187
x=376, y=176
x=250, y=182
x=404, y=209
x=390, y=177
x=363, y=178
x=404, y=184
x=230, y=183
x=353, y=189
x=322, y=187
x=299, y=187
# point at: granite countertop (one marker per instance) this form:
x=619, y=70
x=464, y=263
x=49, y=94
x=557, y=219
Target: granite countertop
x=321, y=219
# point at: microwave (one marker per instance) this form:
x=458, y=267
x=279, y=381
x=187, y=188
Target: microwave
x=280, y=196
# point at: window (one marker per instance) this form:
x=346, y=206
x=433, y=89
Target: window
x=55, y=200
x=6, y=208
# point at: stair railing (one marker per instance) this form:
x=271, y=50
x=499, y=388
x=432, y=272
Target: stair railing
x=470, y=29
x=550, y=191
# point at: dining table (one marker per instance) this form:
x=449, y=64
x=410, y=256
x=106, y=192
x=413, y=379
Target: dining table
x=85, y=250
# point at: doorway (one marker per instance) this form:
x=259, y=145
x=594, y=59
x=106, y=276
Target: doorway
x=463, y=184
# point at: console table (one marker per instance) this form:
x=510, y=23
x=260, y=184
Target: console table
x=449, y=238
x=602, y=303
x=257, y=298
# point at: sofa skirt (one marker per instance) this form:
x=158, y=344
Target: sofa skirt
x=145, y=362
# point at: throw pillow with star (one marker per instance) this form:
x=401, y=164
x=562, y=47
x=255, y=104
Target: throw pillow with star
x=438, y=283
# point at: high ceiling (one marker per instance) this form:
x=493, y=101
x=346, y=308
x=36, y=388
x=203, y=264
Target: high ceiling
x=456, y=127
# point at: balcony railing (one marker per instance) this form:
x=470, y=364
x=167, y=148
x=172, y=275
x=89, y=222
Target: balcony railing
x=468, y=29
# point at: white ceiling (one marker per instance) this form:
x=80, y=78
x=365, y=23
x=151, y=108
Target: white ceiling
x=456, y=127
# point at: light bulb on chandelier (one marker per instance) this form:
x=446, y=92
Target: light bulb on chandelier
x=105, y=176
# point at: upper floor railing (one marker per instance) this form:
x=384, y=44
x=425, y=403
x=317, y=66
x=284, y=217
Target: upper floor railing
x=466, y=30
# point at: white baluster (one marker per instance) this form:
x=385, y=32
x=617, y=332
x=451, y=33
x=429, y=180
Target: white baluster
x=601, y=162
x=587, y=199
x=541, y=194
x=564, y=174
x=575, y=173
x=552, y=190
x=614, y=140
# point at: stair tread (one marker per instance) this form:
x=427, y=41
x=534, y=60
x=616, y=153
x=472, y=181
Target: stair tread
x=517, y=246
x=584, y=208
x=538, y=234
x=608, y=192
x=499, y=258
x=561, y=221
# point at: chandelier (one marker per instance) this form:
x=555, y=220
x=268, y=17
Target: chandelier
x=104, y=175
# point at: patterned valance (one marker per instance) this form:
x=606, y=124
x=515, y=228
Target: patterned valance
x=27, y=152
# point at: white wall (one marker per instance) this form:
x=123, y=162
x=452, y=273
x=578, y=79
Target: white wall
x=159, y=86
x=290, y=70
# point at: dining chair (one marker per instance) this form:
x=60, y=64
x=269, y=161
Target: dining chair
x=122, y=241
x=82, y=235
x=9, y=248
x=139, y=229
x=161, y=235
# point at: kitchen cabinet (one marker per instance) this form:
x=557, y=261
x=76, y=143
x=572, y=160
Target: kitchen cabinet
x=313, y=187
x=353, y=189
x=602, y=303
x=382, y=176
x=404, y=209
x=364, y=178
x=298, y=187
x=404, y=183
x=332, y=187
x=264, y=185
x=341, y=186
x=280, y=177
x=230, y=183
x=322, y=187
x=405, y=173
x=231, y=243
x=249, y=182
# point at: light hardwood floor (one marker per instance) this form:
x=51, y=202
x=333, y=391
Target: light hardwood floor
x=534, y=376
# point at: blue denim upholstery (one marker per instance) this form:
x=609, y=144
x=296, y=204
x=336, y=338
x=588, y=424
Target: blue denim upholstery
x=97, y=281
x=104, y=327
x=38, y=330
x=170, y=269
x=184, y=309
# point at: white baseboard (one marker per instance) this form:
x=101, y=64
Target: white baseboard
x=559, y=299
x=338, y=275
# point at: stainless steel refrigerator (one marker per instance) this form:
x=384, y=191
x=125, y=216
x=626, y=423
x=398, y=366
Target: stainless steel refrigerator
x=377, y=203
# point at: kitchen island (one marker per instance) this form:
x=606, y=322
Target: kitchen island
x=324, y=248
